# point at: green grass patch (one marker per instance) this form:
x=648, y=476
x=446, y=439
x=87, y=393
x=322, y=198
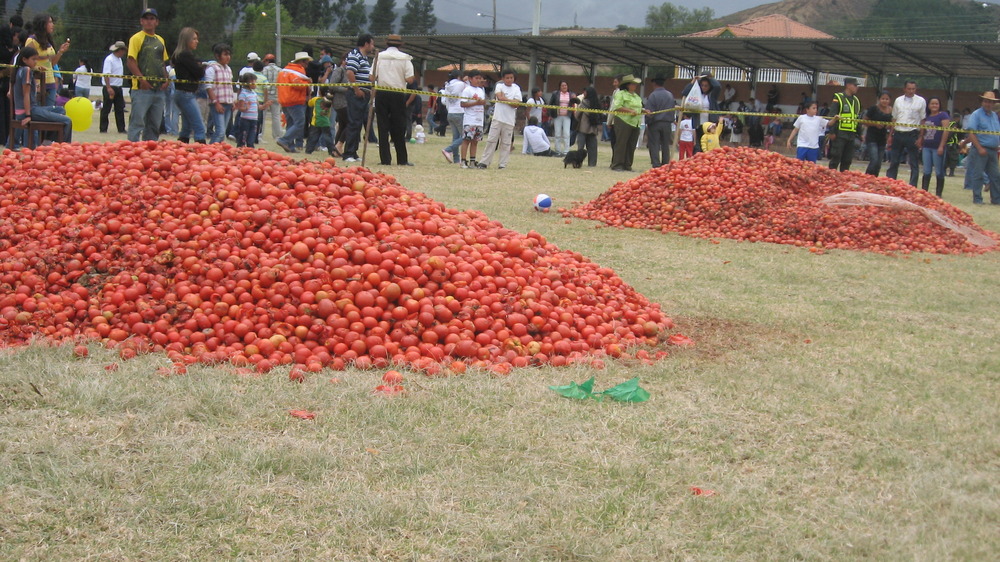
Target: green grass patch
x=842, y=406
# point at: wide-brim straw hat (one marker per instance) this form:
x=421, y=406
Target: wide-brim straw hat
x=629, y=79
x=989, y=95
x=302, y=55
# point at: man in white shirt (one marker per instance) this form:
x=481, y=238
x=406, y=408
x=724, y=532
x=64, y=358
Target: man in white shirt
x=908, y=111
x=393, y=69
x=504, y=116
x=248, y=69
x=113, y=97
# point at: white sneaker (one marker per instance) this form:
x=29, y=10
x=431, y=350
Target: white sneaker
x=465, y=165
x=350, y=159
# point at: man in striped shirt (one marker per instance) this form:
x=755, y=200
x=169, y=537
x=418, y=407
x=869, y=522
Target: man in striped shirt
x=359, y=72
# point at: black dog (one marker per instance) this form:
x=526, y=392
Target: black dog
x=574, y=157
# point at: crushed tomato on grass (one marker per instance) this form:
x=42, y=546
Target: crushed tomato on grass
x=750, y=194
x=215, y=254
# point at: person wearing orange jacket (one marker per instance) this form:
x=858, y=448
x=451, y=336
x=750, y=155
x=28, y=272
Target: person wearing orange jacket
x=292, y=99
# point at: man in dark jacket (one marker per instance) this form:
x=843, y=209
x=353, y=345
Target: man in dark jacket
x=660, y=103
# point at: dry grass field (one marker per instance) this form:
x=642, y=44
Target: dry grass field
x=840, y=406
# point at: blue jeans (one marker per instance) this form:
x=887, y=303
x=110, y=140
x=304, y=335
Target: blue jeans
x=146, y=116
x=933, y=160
x=876, y=153
x=191, y=123
x=171, y=112
x=357, y=116
x=50, y=95
x=246, y=132
x=219, y=121
x=54, y=114
x=562, y=140
x=455, y=122
x=984, y=165
x=295, y=125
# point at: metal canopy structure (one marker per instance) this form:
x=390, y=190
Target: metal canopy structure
x=876, y=58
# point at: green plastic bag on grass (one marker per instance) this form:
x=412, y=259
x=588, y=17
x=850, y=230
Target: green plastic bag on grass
x=628, y=391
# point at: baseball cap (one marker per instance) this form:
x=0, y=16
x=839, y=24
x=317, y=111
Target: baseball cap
x=150, y=12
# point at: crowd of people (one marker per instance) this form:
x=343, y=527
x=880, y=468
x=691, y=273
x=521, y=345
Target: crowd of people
x=326, y=104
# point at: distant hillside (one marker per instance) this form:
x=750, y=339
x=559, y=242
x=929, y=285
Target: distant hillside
x=813, y=13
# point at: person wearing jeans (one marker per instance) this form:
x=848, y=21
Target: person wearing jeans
x=221, y=96
x=189, y=72
x=293, y=91
x=875, y=135
x=908, y=111
x=983, y=150
x=561, y=119
x=456, y=114
x=147, y=54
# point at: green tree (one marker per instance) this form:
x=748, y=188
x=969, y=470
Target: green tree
x=93, y=25
x=314, y=14
x=257, y=31
x=419, y=18
x=669, y=19
x=354, y=20
x=382, y=19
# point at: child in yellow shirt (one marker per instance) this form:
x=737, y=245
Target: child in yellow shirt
x=709, y=136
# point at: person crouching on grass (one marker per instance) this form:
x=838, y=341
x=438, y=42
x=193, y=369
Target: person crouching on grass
x=810, y=129
x=246, y=104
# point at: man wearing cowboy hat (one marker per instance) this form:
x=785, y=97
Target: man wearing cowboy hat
x=292, y=98
x=982, y=157
x=393, y=69
x=113, y=98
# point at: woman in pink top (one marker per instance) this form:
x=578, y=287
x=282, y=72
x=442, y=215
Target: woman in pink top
x=561, y=118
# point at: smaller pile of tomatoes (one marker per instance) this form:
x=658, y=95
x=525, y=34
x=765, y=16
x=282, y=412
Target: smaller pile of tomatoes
x=759, y=196
x=214, y=254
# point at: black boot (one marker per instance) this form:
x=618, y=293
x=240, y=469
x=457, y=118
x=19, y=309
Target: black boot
x=926, y=182
x=940, y=185
x=184, y=140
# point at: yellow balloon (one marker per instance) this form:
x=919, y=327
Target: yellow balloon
x=80, y=112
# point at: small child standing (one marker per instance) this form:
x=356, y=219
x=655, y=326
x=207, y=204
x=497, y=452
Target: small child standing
x=809, y=129
x=319, y=126
x=473, y=102
x=418, y=133
x=246, y=104
x=685, y=139
x=710, y=136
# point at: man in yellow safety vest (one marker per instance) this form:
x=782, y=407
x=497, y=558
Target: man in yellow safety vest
x=846, y=108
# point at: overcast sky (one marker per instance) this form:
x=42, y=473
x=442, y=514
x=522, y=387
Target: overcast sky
x=517, y=14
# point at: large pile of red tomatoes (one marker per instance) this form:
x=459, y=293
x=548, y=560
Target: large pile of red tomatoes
x=217, y=254
x=750, y=194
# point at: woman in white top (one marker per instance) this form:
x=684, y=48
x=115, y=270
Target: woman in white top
x=82, y=81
